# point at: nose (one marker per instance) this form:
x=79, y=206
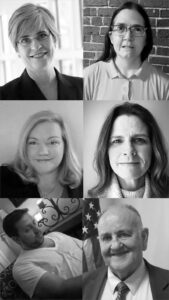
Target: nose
x=128, y=34
x=115, y=243
x=35, y=44
x=128, y=148
x=43, y=149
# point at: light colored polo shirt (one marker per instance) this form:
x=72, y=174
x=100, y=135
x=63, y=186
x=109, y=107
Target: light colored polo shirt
x=102, y=81
x=64, y=259
x=138, y=284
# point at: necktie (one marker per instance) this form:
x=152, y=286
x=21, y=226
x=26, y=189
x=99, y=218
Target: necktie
x=122, y=289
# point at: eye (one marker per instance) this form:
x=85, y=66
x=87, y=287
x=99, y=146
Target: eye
x=140, y=141
x=116, y=141
x=138, y=29
x=25, y=40
x=54, y=142
x=43, y=35
x=32, y=143
x=106, y=238
x=120, y=28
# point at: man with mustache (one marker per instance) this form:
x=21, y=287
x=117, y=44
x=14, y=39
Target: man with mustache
x=126, y=276
x=48, y=266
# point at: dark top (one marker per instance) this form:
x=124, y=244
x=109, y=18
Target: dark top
x=159, y=283
x=12, y=186
x=25, y=88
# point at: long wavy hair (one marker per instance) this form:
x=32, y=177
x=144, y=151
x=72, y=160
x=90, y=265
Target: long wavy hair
x=158, y=171
x=69, y=170
x=109, y=52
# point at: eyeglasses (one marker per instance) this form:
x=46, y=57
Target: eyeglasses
x=135, y=30
x=41, y=37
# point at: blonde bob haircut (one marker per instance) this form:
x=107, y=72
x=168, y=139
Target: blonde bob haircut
x=69, y=170
x=30, y=17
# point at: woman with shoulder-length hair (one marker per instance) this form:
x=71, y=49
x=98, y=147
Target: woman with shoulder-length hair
x=34, y=36
x=45, y=164
x=131, y=159
x=123, y=72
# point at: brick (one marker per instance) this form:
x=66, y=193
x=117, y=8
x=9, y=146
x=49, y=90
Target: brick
x=92, y=47
x=106, y=21
x=89, y=11
x=159, y=60
x=105, y=12
x=117, y=3
x=163, y=23
x=97, y=21
x=163, y=33
x=166, y=69
x=155, y=3
x=88, y=3
x=88, y=55
x=86, y=21
x=85, y=63
x=163, y=51
x=103, y=30
x=153, y=12
x=163, y=41
x=98, y=39
x=91, y=30
x=164, y=13
x=153, y=22
x=87, y=38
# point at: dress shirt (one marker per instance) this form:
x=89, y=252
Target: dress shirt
x=102, y=81
x=138, y=284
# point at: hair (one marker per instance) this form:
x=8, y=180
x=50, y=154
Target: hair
x=109, y=52
x=29, y=17
x=158, y=170
x=69, y=170
x=9, y=222
x=127, y=206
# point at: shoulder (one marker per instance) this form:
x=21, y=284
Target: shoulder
x=11, y=90
x=95, y=68
x=7, y=172
x=76, y=192
x=157, y=73
x=159, y=272
x=87, y=276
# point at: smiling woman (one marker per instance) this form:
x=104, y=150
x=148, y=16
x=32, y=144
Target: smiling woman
x=45, y=164
x=130, y=158
x=123, y=72
x=32, y=31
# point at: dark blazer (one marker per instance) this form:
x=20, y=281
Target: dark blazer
x=13, y=187
x=24, y=88
x=93, y=283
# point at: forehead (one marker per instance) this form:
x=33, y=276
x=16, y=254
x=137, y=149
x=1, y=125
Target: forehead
x=129, y=124
x=46, y=129
x=117, y=219
x=24, y=221
x=129, y=16
x=32, y=26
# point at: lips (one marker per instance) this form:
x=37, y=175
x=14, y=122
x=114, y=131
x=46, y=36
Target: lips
x=39, y=55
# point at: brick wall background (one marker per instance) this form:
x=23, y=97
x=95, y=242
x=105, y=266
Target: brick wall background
x=96, y=18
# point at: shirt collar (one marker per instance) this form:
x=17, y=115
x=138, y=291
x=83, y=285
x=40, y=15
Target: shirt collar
x=142, y=73
x=132, y=282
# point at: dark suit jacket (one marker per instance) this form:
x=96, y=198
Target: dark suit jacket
x=24, y=88
x=14, y=188
x=93, y=283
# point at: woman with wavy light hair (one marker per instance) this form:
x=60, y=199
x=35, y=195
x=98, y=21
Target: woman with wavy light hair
x=130, y=158
x=45, y=164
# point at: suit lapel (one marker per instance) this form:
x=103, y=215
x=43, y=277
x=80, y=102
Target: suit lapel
x=159, y=282
x=29, y=89
x=95, y=285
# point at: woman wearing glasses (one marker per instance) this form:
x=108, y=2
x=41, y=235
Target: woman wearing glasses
x=123, y=72
x=33, y=33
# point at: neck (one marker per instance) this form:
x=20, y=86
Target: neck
x=127, y=67
x=43, y=77
x=48, y=180
x=132, y=184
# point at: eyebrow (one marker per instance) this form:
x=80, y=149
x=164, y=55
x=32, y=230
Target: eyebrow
x=121, y=23
x=51, y=137
x=28, y=35
x=134, y=135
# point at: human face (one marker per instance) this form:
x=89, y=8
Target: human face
x=122, y=241
x=130, y=149
x=36, y=49
x=128, y=47
x=29, y=236
x=45, y=147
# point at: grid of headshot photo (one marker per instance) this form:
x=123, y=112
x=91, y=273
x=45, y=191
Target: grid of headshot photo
x=84, y=149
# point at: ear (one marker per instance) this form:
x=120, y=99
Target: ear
x=144, y=234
